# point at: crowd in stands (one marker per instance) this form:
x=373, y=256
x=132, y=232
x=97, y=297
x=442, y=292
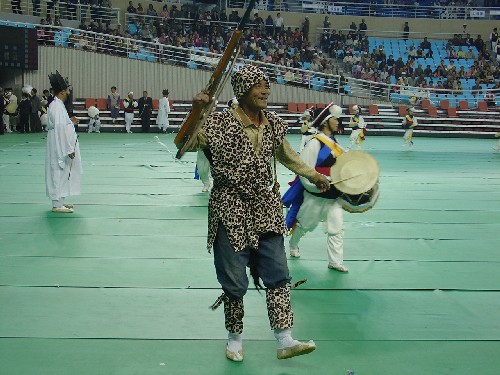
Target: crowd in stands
x=153, y=31
x=69, y=9
x=267, y=41
x=373, y=63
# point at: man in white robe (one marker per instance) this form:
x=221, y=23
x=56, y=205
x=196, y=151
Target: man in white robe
x=63, y=166
x=163, y=111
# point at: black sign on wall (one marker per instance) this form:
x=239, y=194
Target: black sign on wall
x=18, y=48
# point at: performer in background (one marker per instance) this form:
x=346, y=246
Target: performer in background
x=36, y=111
x=358, y=126
x=10, y=113
x=321, y=153
x=94, y=120
x=246, y=224
x=306, y=128
x=409, y=123
x=24, y=109
x=63, y=166
x=113, y=103
x=145, y=110
x=202, y=169
x=2, y=107
x=129, y=105
x=163, y=111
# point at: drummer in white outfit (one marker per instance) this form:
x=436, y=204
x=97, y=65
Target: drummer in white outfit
x=325, y=207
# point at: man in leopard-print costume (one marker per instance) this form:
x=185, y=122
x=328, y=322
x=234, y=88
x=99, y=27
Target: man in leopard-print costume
x=245, y=219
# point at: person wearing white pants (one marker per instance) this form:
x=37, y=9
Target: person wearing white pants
x=130, y=105
x=94, y=120
x=409, y=123
x=322, y=152
x=358, y=126
x=203, y=167
x=163, y=111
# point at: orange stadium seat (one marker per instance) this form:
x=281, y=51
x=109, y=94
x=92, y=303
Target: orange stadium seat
x=432, y=111
x=445, y=104
x=402, y=110
x=426, y=103
x=102, y=104
x=292, y=107
x=171, y=105
x=321, y=105
x=301, y=107
x=464, y=105
x=89, y=102
x=373, y=109
x=311, y=105
x=452, y=112
x=482, y=106
x=156, y=103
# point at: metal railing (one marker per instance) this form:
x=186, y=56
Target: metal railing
x=200, y=58
x=373, y=10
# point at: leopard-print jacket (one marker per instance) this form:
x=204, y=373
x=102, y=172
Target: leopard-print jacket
x=242, y=198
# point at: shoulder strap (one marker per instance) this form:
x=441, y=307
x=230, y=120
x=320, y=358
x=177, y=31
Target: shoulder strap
x=333, y=146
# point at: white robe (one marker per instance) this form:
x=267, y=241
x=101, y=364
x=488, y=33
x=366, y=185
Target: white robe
x=163, y=111
x=62, y=174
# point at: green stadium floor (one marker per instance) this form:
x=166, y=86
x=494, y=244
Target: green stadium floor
x=123, y=285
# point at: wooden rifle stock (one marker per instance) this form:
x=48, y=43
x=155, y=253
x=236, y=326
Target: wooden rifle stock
x=198, y=112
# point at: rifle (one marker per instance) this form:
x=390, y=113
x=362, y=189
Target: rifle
x=200, y=111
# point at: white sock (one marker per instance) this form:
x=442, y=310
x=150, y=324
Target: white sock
x=284, y=338
x=234, y=342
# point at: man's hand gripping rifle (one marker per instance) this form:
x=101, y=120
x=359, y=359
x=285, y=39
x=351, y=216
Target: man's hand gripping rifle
x=201, y=109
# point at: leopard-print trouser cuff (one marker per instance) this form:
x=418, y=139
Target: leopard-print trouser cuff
x=278, y=307
x=234, y=311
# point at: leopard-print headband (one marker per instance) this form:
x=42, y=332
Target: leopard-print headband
x=245, y=78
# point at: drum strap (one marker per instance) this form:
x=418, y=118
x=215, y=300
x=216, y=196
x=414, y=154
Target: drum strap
x=332, y=145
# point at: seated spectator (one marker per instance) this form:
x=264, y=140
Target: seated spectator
x=457, y=87
x=451, y=53
x=489, y=98
x=72, y=39
x=428, y=71
x=425, y=44
x=469, y=54
x=164, y=14
x=151, y=11
x=411, y=51
x=460, y=53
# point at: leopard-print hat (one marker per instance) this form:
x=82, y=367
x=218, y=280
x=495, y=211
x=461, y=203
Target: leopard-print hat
x=245, y=78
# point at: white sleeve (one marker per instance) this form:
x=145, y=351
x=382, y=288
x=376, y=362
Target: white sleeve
x=135, y=104
x=125, y=104
x=309, y=155
x=362, y=123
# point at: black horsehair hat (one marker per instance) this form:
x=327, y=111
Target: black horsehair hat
x=57, y=82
